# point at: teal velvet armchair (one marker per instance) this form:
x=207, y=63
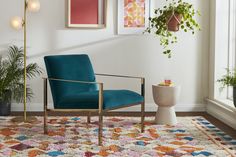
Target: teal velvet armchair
x=74, y=89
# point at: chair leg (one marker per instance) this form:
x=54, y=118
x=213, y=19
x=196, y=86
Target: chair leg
x=89, y=118
x=142, y=116
x=45, y=97
x=45, y=122
x=100, y=129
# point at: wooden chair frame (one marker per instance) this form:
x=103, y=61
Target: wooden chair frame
x=100, y=102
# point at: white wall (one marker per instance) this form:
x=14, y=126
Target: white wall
x=110, y=53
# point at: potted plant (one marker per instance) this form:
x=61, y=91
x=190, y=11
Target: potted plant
x=171, y=18
x=12, y=79
x=229, y=79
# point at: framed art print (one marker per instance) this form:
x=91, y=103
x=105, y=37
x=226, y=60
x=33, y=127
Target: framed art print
x=86, y=13
x=133, y=16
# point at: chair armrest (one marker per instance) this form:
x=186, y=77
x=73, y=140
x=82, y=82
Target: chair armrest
x=73, y=81
x=133, y=77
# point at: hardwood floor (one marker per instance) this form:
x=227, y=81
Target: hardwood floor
x=227, y=129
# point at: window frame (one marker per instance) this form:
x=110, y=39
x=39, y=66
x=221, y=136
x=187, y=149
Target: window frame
x=232, y=43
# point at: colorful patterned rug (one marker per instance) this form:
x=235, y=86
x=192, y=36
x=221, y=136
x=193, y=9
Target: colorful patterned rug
x=72, y=136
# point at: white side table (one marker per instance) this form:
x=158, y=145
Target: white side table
x=166, y=98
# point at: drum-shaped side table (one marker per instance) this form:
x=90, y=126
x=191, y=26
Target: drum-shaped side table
x=166, y=98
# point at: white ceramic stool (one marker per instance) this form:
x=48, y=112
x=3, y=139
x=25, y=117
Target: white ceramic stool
x=166, y=98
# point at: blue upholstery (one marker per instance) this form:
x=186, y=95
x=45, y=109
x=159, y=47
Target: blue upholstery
x=89, y=100
x=69, y=67
x=68, y=95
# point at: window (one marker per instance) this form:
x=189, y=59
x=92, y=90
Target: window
x=232, y=42
x=225, y=46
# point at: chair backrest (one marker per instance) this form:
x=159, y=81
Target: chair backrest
x=69, y=67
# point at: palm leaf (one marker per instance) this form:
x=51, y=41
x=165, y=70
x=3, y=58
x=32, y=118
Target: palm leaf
x=12, y=74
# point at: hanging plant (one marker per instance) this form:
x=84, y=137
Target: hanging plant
x=171, y=18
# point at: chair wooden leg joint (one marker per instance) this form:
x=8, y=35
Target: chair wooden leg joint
x=142, y=116
x=100, y=129
x=143, y=104
x=45, y=106
x=89, y=118
x=45, y=122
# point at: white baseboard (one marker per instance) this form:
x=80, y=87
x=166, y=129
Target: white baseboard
x=221, y=112
x=150, y=107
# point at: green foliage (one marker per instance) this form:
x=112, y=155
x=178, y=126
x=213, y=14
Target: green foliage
x=229, y=79
x=12, y=75
x=159, y=23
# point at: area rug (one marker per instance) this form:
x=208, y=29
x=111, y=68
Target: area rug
x=73, y=137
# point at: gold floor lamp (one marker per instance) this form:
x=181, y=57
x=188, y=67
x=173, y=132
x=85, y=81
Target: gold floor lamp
x=18, y=23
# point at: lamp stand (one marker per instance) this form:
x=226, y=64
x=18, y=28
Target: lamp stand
x=29, y=119
x=25, y=118
x=25, y=85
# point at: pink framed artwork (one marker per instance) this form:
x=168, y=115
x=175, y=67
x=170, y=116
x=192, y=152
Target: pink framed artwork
x=86, y=13
x=133, y=16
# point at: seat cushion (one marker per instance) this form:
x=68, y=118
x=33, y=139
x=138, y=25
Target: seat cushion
x=89, y=100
